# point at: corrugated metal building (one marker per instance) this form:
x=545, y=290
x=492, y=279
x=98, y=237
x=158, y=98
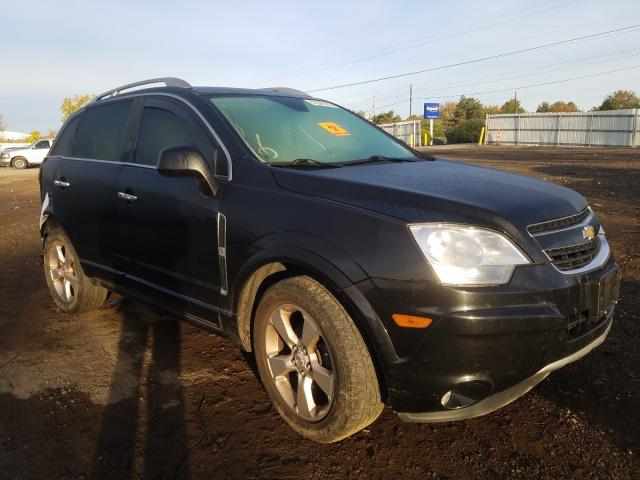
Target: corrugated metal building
x=620, y=128
x=408, y=131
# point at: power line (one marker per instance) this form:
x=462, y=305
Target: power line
x=392, y=50
x=537, y=72
x=477, y=60
x=521, y=87
x=536, y=84
x=543, y=72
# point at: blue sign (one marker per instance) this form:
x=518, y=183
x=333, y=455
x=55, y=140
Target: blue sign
x=432, y=111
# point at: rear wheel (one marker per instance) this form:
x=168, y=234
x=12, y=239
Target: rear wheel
x=70, y=289
x=20, y=162
x=313, y=361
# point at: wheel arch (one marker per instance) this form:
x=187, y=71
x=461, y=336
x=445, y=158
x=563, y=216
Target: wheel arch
x=268, y=268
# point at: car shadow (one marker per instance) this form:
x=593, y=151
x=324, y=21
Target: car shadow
x=154, y=399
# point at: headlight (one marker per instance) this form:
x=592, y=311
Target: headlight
x=463, y=255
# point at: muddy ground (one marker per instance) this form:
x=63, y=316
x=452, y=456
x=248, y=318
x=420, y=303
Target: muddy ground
x=124, y=393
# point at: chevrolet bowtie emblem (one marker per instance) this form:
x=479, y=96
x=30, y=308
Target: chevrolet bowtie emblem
x=588, y=233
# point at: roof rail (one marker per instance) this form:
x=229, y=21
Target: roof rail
x=286, y=90
x=168, y=81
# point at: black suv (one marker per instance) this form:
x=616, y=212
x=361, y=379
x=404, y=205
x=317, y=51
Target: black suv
x=359, y=271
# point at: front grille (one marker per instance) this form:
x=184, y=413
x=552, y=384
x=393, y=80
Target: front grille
x=574, y=256
x=559, y=222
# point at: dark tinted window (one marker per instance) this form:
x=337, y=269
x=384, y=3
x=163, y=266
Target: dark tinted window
x=64, y=142
x=102, y=132
x=162, y=129
x=42, y=144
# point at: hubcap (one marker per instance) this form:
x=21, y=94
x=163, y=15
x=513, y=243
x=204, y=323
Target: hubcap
x=300, y=362
x=62, y=271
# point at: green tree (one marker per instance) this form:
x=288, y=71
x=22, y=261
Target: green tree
x=468, y=108
x=492, y=109
x=620, y=99
x=362, y=114
x=32, y=137
x=2, y=127
x=386, y=117
x=467, y=131
x=72, y=104
x=558, y=106
x=512, y=106
x=544, y=107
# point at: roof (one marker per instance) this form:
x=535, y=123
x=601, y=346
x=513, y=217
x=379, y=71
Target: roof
x=177, y=84
x=272, y=91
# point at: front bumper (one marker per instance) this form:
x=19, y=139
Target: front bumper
x=488, y=346
x=5, y=162
x=507, y=396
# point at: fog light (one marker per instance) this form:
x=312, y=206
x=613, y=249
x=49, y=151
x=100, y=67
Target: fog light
x=465, y=394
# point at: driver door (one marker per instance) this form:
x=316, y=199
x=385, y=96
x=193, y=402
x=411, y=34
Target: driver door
x=168, y=226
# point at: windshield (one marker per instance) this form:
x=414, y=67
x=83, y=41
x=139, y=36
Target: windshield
x=281, y=130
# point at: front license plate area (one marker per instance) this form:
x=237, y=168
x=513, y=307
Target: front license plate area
x=601, y=295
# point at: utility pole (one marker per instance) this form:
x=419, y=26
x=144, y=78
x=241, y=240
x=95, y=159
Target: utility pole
x=515, y=103
x=373, y=107
x=410, y=97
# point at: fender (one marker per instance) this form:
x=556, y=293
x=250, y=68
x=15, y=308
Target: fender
x=348, y=271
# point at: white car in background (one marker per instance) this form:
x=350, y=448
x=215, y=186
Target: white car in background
x=34, y=154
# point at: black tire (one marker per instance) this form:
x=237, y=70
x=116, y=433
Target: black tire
x=356, y=401
x=81, y=294
x=20, y=163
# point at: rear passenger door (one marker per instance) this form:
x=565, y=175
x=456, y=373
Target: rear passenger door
x=84, y=181
x=168, y=225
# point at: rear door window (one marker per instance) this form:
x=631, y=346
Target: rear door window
x=64, y=143
x=102, y=132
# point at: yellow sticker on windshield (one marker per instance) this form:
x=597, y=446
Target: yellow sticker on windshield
x=334, y=129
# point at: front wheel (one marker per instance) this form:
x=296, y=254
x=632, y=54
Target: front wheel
x=71, y=290
x=313, y=361
x=20, y=163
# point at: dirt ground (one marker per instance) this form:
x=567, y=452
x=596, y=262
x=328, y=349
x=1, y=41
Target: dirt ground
x=124, y=393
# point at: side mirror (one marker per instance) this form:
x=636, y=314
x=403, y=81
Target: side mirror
x=187, y=160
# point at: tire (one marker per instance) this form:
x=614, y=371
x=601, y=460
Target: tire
x=20, y=163
x=70, y=288
x=308, y=348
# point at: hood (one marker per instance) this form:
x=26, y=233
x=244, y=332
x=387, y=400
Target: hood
x=13, y=151
x=439, y=190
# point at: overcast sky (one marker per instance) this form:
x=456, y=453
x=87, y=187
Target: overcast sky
x=51, y=50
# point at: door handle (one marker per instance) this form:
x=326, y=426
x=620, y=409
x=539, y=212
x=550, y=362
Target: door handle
x=61, y=183
x=127, y=197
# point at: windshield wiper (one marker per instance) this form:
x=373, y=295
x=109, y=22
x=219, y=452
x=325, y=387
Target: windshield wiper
x=305, y=162
x=378, y=158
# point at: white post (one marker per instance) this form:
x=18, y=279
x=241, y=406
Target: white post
x=486, y=129
x=431, y=131
x=634, y=127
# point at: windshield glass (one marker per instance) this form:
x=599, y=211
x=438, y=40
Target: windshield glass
x=285, y=129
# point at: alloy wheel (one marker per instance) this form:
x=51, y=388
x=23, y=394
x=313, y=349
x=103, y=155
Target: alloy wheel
x=300, y=362
x=63, y=272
